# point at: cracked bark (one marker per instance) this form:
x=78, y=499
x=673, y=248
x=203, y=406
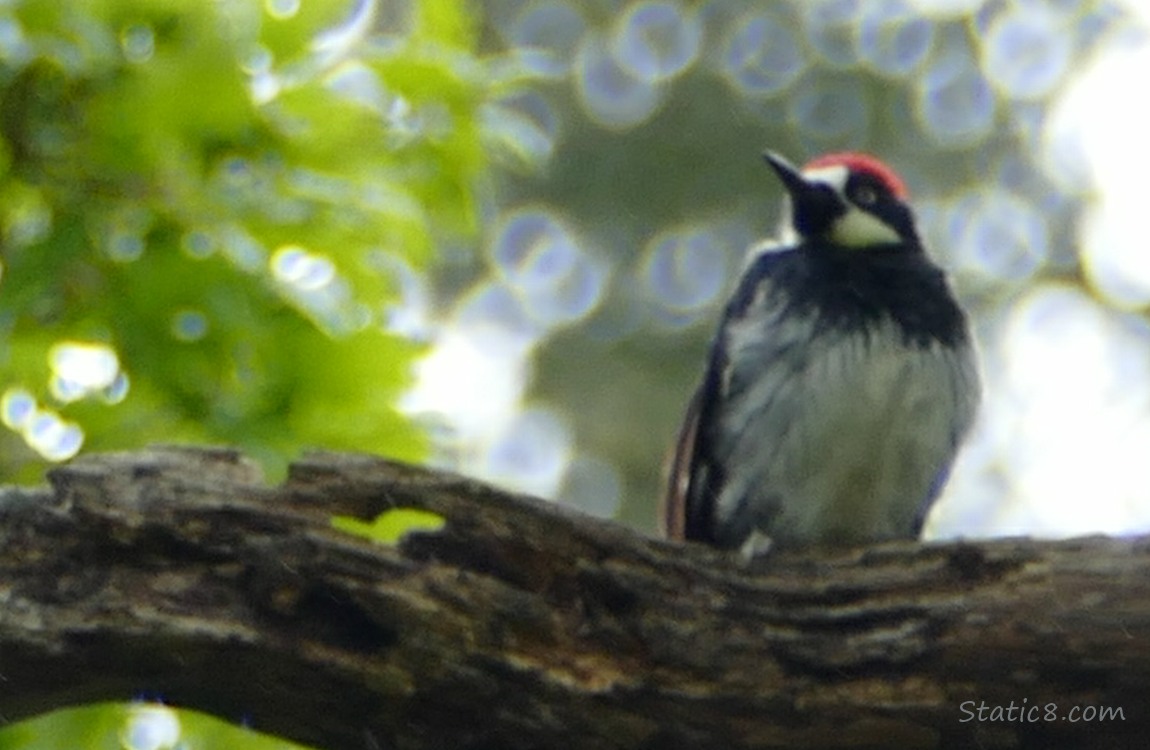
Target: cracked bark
x=178, y=573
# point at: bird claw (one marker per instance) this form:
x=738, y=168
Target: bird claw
x=756, y=547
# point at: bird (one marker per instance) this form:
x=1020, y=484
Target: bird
x=840, y=384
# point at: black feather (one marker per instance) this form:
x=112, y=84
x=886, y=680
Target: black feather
x=845, y=291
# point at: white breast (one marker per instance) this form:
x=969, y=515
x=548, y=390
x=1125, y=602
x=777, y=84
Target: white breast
x=838, y=437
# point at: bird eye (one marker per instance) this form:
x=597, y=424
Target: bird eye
x=865, y=195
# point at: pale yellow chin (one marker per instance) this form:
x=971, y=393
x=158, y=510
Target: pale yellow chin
x=859, y=229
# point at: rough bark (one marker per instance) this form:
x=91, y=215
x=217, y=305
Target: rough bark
x=177, y=573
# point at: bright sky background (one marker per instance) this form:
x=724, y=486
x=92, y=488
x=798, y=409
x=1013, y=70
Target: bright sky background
x=1063, y=447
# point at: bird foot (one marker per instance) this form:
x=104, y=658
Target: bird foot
x=757, y=545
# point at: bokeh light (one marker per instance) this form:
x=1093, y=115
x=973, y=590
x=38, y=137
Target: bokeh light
x=540, y=258
x=359, y=83
x=550, y=30
x=189, y=325
x=305, y=271
x=263, y=82
x=53, y=437
x=830, y=111
x=198, y=244
x=531, y=453
x=80, y=369
x=17, y=407
x=1063, y=422
x=1097, y=144
x=138, y=42
x=493, y=304
x=956, y=103
x=831, y=27
x=117, y=390
x=995, y=237
x=474, y=376
x=282, y=9
x=892, y=37
x=655, y=41
x=410, y=314
x=525, y=124
x=1013, y=124
x=761, y=56
x=612, y=96
x=124, y=245
x=27, y=217
x=1027, y=51
x=685, y=270
x=947, y=9
x=151, y=726
x=243, y=249
x=14, y=46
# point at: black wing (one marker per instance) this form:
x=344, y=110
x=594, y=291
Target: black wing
x=696, y=475
x=693, y=479
x=677, y=493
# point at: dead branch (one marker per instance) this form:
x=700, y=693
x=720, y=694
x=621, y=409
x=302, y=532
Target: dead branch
x=178, y=573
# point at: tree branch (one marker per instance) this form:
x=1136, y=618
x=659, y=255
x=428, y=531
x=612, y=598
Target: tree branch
x=177, y=573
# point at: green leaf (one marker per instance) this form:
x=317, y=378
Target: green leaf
x=158, y=156
x=109, y=726
x=391, y=525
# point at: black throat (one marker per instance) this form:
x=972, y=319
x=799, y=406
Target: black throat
x=854, y=288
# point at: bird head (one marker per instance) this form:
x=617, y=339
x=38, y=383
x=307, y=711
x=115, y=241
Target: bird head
x=849, y=199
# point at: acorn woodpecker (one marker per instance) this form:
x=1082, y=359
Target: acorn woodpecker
x=841, y=380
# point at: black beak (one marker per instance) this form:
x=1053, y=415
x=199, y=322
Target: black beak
x=790, y=175
x=814, y=206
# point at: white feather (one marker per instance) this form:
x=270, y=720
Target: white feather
x=836, y=176
x=856, y=228
x=860, y=229
x=838, y=437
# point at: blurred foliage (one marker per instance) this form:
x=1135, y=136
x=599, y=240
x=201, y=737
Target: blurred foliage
x=218, y=195
x=136, y=726
x=159, y=157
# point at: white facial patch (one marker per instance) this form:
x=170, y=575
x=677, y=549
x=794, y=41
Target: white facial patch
x=835, y=176
x=856, y=227
x=861, y=229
